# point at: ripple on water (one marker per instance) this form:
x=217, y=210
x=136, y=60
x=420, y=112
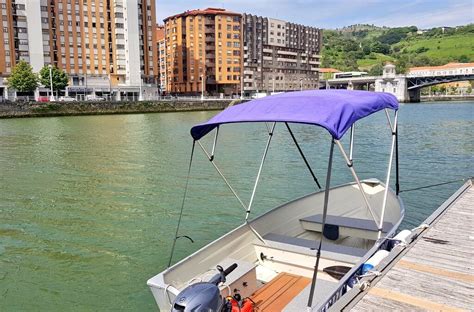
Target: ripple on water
x=89, y=205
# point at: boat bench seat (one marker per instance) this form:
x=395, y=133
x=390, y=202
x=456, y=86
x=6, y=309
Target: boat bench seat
x=329, y=250
x=347, y=226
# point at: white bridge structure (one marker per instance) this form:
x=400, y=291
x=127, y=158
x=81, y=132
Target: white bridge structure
x=407, y=88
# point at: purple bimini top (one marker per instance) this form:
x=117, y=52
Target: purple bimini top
x=334, y=110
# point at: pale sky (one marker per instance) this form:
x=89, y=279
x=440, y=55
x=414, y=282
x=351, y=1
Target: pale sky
x=339, y=13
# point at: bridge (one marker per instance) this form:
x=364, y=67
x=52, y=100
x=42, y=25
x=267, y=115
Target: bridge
x=407, y=88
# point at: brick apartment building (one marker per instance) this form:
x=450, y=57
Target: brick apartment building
x=204, y=52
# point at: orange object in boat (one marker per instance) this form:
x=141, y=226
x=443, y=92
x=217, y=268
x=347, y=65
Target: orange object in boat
x=247, y=305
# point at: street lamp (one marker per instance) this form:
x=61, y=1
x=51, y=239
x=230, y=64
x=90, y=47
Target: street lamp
x=140, y=96
x=242, y=86
x=273, y=81
x=202, y=87
x=51, y=98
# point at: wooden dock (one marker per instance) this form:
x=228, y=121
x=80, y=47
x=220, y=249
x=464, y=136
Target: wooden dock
x=435, y=272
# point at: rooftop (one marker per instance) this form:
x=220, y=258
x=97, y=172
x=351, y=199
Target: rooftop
x=208, y=11
x=329, y=70
x=446, y=66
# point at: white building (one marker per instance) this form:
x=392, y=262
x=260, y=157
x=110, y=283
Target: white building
x=449, y=69
x=392, y=83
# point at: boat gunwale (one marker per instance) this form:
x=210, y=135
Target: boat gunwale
x=161, y=276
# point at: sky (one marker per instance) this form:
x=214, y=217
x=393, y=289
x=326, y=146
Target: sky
x=339, y=13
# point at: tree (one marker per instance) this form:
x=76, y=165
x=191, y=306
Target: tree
x=401, y=64
x=60, y=78
x=22, y=78
x=464, y=59
x=421, y=60
x=378, y=47
x=376, y=70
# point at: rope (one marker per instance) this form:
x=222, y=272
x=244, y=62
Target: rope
x=433, y=185
x=182, y=205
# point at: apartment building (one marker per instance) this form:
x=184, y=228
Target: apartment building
x=204, y=52
x=101, y=44
x=161, y=66
x=279, y=55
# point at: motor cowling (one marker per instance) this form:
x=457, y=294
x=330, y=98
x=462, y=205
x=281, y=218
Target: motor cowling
x=198, y=297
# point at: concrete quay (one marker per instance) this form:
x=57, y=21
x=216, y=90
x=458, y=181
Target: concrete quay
x=50, y=109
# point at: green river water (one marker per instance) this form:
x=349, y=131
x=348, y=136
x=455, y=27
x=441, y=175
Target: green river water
x=89, y=205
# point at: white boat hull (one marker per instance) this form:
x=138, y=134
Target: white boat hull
x=287, y=241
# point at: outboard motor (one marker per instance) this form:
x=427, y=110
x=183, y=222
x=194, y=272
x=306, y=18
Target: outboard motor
x=203, y=296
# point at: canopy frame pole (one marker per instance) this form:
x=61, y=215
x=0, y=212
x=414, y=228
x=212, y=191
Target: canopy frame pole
x=264, y=156
x=397, y=167
x=222, y=176
x=351, y=148
x=214, y=144
x=389, y=120
x=354, y=174
x=389, y=170
x=303, y=156
x=232, y=190
x=325, y=209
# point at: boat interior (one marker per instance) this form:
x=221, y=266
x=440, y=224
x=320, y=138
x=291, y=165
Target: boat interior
x=276, y=252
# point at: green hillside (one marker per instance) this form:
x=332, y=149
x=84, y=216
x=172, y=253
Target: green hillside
x=368, y=47
x=452, y=47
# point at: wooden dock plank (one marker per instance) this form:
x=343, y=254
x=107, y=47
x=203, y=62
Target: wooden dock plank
x=277, y=293
x=437, y=273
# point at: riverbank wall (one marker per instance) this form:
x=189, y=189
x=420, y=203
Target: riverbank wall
x=447, y=98
x=50, y=109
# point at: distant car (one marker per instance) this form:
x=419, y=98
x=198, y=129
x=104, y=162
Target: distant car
x=67, y=99
x=43, y=99
x=94, y=98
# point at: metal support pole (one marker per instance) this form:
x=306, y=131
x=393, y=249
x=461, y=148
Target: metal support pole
x=325, y=209
x=222, y=176
x=389, y=120
x=351, y=148
x=354, y=174
x=397, y=168
x=51, y=98
x=270, y=135
x=303, y=156
x=389, y=170
x=214, y=144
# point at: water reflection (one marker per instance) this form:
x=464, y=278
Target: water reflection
x=89, y=205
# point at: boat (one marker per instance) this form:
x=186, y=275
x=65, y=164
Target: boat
x=307, y=253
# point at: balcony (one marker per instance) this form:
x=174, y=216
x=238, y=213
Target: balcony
x=280, y=59
x=209, y=30
x=287, y=53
